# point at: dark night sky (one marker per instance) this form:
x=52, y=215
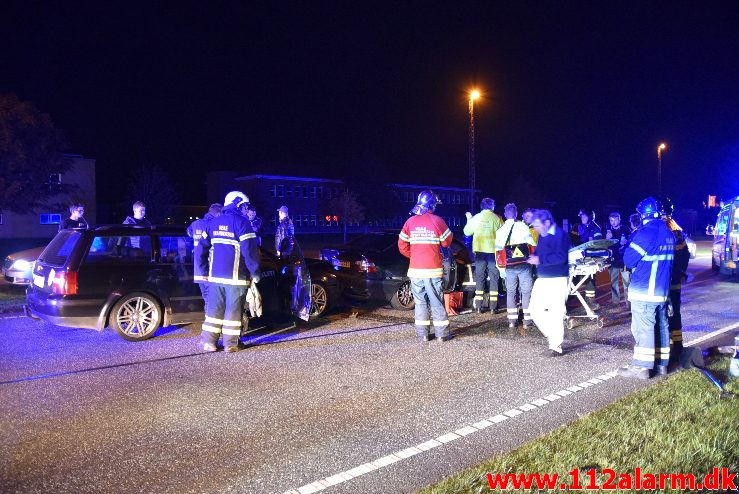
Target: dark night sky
x=577, y=94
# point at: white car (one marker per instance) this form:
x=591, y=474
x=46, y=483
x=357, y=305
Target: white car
x=18, y=266
x=691, y=246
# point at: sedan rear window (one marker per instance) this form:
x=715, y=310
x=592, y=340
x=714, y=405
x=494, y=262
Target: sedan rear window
x=120, y=249
x=56, y=253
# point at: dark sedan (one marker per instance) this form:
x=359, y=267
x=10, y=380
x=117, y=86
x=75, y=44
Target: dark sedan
x=370, y=268
x=137, y=279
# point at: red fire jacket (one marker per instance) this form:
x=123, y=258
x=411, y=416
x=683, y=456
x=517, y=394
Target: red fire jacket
x=420, y=239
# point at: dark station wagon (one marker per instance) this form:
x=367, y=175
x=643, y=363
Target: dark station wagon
x=138, y=279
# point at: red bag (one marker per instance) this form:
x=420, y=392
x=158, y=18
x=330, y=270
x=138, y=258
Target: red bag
x=500, y=258
x=453, y=301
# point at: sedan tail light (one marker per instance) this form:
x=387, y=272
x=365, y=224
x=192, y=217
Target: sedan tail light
x=64, y=283
x=365, y=265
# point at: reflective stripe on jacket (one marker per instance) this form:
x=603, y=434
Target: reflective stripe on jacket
x=650, y=256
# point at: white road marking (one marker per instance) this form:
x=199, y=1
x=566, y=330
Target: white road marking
x=710, y=335
x=460, y=433
x=11, y=317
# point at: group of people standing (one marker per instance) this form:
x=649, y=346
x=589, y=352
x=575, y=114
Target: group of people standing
x=649, y=257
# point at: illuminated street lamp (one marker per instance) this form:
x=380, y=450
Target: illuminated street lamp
x=660, y=148
x=474, y=94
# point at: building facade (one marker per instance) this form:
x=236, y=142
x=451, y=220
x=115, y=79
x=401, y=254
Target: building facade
x=312, y=202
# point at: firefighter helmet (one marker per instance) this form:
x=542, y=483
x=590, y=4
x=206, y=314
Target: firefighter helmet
x=666, y=207
x=235, y=197
x=649, y=208
x=427, y=201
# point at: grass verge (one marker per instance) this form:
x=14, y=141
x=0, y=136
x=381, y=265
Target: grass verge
x=11, y=299
x=678, y=425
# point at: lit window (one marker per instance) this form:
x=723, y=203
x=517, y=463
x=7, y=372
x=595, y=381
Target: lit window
x=273, y=191
x=289, y=191
x=280, y=191
x=50, y=219
x=312, y=220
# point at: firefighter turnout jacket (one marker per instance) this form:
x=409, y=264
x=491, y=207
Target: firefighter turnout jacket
x=229, y=250
x=483, y=227
x=650, y=256
x=420, y=240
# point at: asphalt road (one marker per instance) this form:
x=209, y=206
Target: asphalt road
x=344, y=404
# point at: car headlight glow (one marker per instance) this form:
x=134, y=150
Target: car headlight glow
x=21, y=265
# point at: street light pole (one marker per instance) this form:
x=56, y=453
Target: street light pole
x=474, y=94
x=660, y=148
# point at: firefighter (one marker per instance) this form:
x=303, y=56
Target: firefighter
x=195, y=230
x=483, y=226
x=650, y=257
x=679, y=271
x=420, y=240
x=589, y=230
x=228, y=256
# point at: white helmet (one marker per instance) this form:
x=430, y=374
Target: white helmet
x=235, y=197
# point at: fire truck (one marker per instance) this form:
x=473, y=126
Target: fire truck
x=724, y=256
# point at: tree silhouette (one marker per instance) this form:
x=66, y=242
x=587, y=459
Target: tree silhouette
x=152, y=185
x=348, y=208
x=31, y=150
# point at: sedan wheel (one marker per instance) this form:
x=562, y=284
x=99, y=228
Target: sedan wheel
x=136, y=316
x=319, y=299
x=403, y=298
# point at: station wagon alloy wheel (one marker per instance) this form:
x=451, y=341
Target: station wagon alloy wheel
x=319, y=299
x=136, y=316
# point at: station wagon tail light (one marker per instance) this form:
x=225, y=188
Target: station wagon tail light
x=365, y=266
x=64, y=283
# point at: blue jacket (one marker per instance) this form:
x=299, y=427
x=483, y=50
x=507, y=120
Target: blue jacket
x=588, y=231
x=228, y=250
x=650, y=256
x=552, y=250
x=285, y=234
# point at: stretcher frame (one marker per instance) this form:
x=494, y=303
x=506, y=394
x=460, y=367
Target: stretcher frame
x=586, y=270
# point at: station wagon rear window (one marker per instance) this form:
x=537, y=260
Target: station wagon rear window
x=58, y=250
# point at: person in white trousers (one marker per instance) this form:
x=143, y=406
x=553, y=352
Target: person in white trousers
x=549, y=296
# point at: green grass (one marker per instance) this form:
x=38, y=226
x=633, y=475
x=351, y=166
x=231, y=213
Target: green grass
x=11, y=299
x=678, y=425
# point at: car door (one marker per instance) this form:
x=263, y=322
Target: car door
x=172, y=274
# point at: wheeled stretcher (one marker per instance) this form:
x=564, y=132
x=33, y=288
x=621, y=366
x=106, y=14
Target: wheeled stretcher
x=587, y=260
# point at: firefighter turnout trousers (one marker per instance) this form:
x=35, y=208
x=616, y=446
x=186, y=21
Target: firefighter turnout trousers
x=224, y=308
x=485, y=266
x=429, y=298
x=650, y=330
